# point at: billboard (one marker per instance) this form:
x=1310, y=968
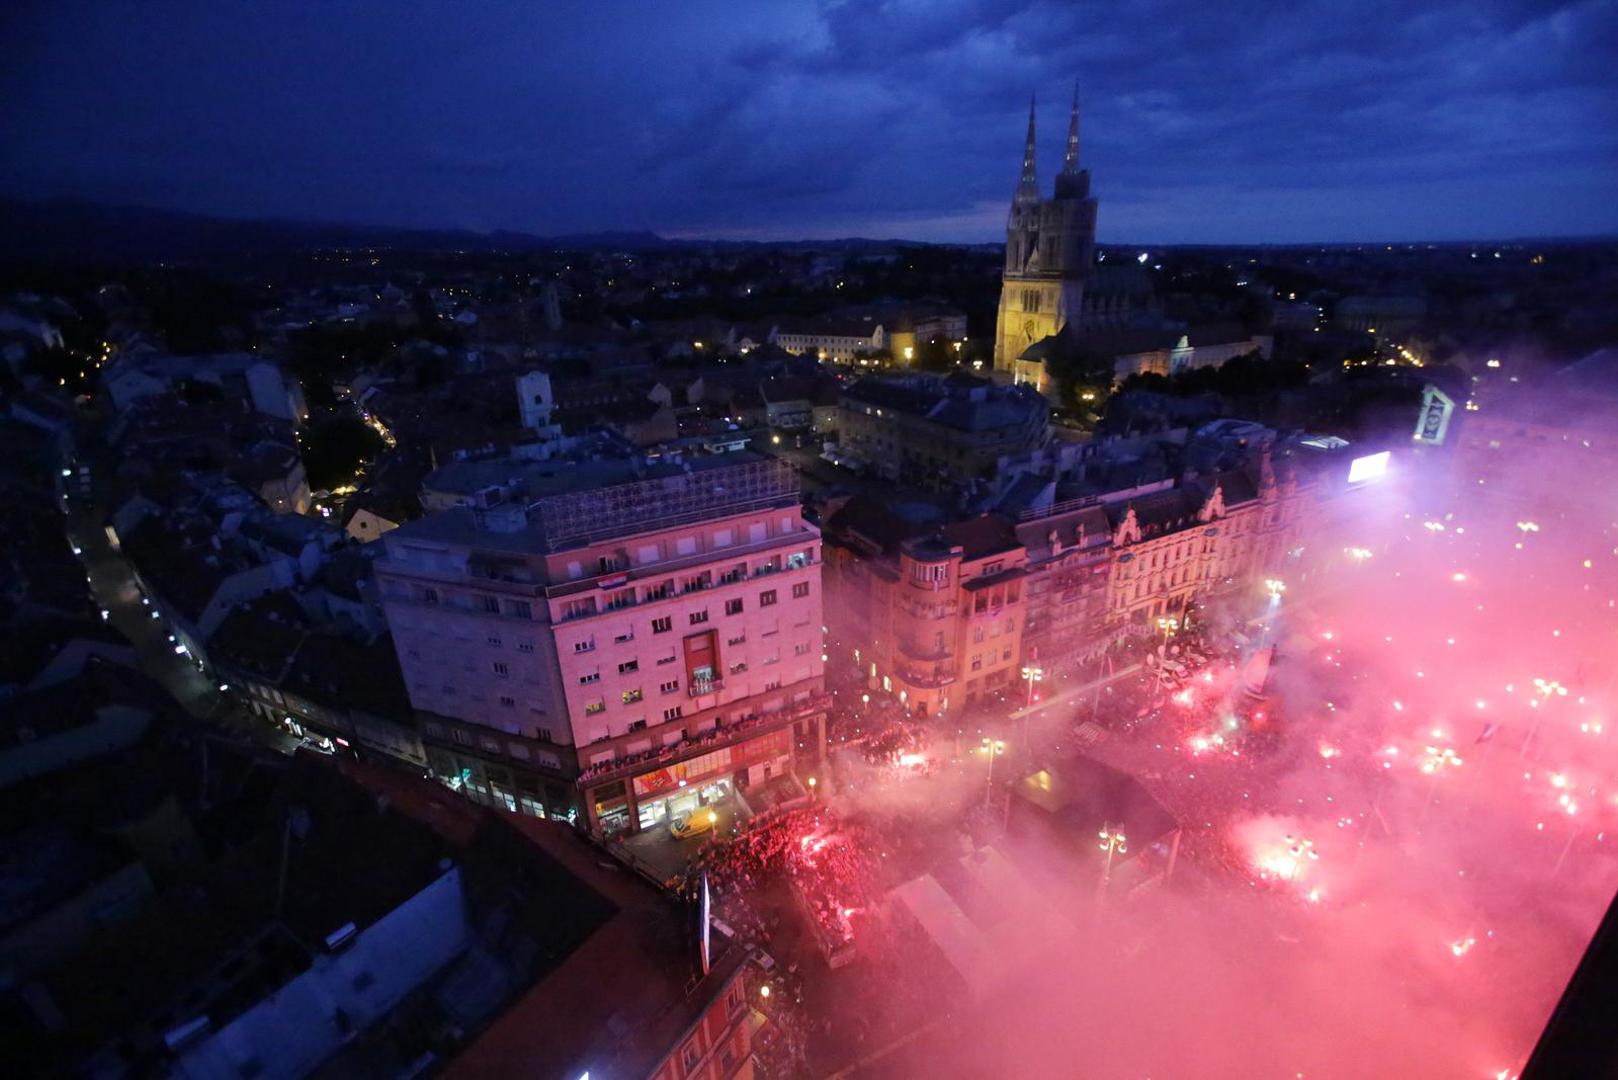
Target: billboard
x=1432, y=424
x=1369, y=467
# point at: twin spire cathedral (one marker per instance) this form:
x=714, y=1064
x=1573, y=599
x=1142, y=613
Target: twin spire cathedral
x=1050, y=246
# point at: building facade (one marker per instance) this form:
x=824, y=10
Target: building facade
x=618, y=640
x=1050, y=247
x=938, y=623
x=1173, y=548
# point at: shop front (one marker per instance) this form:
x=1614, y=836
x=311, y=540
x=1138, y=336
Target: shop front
x=669, y=793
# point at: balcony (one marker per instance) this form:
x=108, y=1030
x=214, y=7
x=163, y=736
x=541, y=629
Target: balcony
x=734, y=732
x=702, y=687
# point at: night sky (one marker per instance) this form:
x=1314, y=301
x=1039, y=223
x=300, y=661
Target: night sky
x=1203, y=122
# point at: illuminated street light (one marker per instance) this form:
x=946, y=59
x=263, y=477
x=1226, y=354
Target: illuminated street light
x=994, y=748
x=1546, y=689
x=1113, y=842
x=1168, y=624
x=1032, y=675
x=1302, y=851
x=1275, y=587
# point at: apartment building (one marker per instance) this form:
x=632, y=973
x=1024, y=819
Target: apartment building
x=935, y=620
x=622, y=640
x=1225, y=531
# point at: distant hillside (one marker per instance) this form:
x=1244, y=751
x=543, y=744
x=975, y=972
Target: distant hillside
x=65, y=231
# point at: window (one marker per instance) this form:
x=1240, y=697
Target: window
x=426, y=596
x=691, y=1054
x=632, y=696
x=491, y=604
x=699, y=617
x=733, y=607
x=766, y=598
x=663, y=625
x=578, y=609
x=628, y=666
x=522, y=609
x=669, y=687
x=525, y=646
x=669, y=659
x=800, y=649
x=674, y=713
x=594, y=707
x=592, y=677
x=625, y=637
x=496, y=642
x=583, y=645
x=800, y=590
x=977, y=635
x=508, y=702
x=500, y=668
x=637, y=725
x=518, y=751
x=739, y=639
x=977, y=662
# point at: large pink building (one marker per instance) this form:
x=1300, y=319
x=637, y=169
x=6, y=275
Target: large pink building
x=625, y=639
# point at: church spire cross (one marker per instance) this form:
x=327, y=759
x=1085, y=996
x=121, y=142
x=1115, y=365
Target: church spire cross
x=1028, y=186
x=1070, y=161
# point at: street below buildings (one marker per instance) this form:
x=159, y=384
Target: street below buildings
x=112, y=581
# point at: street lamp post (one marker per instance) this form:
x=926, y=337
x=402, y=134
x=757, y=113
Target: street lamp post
x=1546, y=689
x=1113, y=841
x=994, y=748
x=1032, y=675
x=1168, y=624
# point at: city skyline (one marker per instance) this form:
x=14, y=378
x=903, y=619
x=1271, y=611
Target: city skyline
x=837, y=121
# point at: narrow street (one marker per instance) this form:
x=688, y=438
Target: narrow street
x=112, y=580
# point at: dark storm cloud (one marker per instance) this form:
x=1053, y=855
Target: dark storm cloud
x=1311, y=119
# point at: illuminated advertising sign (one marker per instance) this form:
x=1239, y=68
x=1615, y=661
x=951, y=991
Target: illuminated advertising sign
x=1370, y=467
x=1433, y=422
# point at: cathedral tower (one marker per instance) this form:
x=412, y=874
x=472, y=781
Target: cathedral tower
x=1050, y=246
